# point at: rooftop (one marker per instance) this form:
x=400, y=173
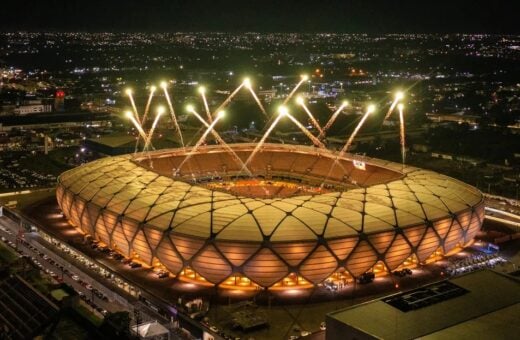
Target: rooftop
x=489, y=309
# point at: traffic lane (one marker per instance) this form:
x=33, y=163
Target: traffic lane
x=54, y=268
x=109, y=305
x=113, y=306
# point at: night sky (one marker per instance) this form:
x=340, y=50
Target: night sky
x=417, y=16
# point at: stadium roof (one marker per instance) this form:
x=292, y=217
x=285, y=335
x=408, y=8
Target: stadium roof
x=407, y=198
x=489, y=310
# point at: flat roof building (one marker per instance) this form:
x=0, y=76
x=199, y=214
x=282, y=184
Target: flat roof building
x=478, y=305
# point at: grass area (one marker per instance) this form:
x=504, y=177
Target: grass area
x=87, y=314
x=34, y=277
x=7, y=255
x=59, y=294
x=67, y=328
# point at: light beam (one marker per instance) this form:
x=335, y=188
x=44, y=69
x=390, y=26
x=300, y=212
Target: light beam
x=282, y=111
x=400, y=107
x=164, y=86
x=315, y=140
x=304, y=78
x=202, y=91
x=201, y=140
x=332, y=119
x=398, y=96
x=147, y=107
x=301, y=102
x=219, y=139
x=130, y=116
x=247, y=84
x=160, y=112
x=370, y=109
x=134, y=108
x=228, y=99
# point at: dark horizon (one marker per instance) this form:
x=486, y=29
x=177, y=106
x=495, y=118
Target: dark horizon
x=486, y=17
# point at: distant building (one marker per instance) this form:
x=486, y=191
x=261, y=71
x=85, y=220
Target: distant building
x=59, y=101
x=112, y=145
x=479, y=305
x=32, y=109
x=454, y=118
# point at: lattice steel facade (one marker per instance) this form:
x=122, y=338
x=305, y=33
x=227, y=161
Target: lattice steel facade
x=394, y=213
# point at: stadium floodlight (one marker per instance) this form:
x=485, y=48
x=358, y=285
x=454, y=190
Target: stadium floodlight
x=282, y=110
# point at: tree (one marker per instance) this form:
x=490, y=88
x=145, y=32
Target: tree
x=116, y=325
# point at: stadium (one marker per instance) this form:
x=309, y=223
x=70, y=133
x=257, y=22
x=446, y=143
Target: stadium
x=302, y=215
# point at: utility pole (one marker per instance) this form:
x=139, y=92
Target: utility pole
x=137, y=318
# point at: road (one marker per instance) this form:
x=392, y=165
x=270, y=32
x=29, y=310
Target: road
x=35, y=247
